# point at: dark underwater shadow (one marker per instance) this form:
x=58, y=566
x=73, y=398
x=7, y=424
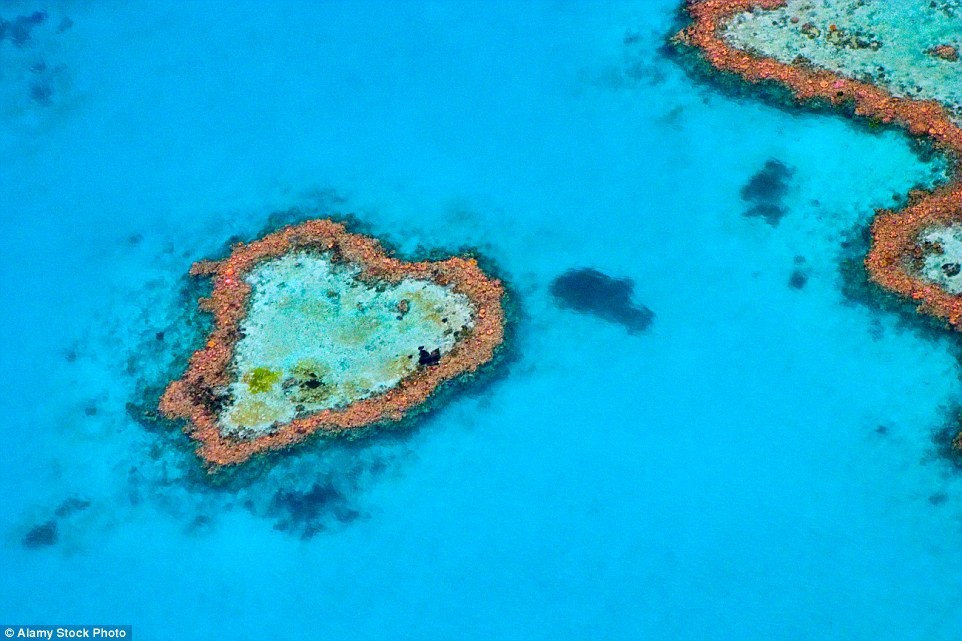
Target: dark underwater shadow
x=589, y=291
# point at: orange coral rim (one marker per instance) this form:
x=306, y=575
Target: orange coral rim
x=894, y=233
x=192, y=396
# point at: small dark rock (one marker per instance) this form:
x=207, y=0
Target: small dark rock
x=939, y=498
x=429, y=358
x=951, y=269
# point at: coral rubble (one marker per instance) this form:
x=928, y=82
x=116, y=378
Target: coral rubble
x=320, y=330
x=945, y=52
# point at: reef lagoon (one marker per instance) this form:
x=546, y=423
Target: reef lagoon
x=705, y=421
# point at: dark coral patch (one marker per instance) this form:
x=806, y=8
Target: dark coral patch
x=305, y=512
x=769, y=184
x=771, y=214
x=590, y=291
x=47, y=533
x=798, y=279
x=71, y=506
x=766, y=191
x=428, y=358
x=43, y=535
x=41, y=93
x=18, y=30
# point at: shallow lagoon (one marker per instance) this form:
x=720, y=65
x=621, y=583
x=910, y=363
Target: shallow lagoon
x=721, y=475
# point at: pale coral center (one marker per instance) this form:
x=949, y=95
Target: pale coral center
x=317, y=337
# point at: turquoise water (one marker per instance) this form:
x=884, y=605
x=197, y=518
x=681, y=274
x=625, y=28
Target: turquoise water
x=720, y=476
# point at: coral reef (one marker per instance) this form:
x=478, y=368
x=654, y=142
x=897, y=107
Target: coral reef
x=590, y=291
x=904, y=48
x=915, y=251
x=320, y=330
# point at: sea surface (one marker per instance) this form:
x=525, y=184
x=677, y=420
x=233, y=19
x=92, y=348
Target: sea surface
x=762, y=463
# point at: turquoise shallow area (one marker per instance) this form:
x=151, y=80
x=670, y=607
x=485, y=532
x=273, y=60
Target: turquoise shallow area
x=721, y=476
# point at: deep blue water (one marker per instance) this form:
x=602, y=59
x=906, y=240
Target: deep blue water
x=723, y=475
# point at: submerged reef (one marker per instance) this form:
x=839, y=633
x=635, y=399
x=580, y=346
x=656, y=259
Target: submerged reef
x=18, y=30
x=47, y=533
x=590, y=291
x=300, y=511
x=320, y=330
x=43, y=535
x=766, y=190
x=30, y=45
x=886, y=62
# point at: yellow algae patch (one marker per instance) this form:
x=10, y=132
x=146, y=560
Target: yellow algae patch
x=261, y=379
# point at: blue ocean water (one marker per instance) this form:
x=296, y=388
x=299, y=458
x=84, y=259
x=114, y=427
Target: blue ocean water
x=759, y=464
